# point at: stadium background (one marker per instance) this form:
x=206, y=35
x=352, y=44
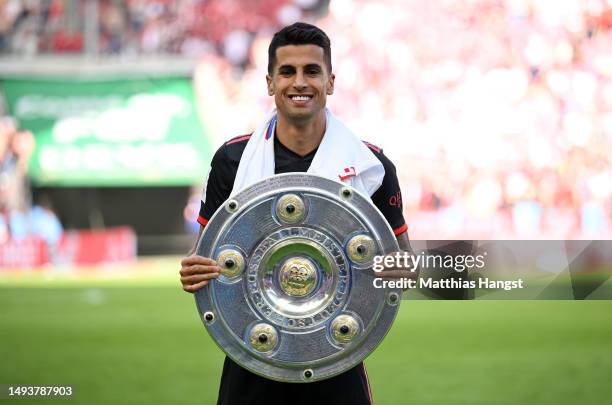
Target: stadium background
x=497, y=114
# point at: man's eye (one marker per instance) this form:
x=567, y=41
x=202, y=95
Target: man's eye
x=312, y=71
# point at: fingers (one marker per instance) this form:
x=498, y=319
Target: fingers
x=195, y=259
x=197, y=271
x=195, y=282
x=190, y=280
x=397, y=274
x=195, y=287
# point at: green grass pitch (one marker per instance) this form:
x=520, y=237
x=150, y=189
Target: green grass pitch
x=117, y=343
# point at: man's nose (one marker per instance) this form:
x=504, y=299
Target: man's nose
x=300, y=81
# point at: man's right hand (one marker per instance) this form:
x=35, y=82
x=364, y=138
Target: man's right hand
x=197, y=271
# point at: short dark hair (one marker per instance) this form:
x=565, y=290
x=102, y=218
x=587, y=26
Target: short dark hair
x=299, y=33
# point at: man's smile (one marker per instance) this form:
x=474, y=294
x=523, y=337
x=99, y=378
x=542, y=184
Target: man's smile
x=300, y=99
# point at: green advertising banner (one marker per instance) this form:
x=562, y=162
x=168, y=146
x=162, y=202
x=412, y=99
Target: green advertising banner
x=127, y=132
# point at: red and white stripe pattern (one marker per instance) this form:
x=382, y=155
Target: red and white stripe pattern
x=239, y=139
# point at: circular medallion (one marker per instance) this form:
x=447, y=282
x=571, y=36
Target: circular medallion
x=344, y=328
x=231, y=263
x=298, y=276
x=290, y=209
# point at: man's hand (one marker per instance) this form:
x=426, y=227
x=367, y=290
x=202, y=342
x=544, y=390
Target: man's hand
x=396, y=273
x=399, y=273
x=197, y=271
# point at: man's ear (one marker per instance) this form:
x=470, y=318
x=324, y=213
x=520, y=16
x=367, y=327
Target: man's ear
x=269, y=83
x=330, y=84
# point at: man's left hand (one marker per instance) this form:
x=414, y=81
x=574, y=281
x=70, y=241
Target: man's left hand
x=395, y=272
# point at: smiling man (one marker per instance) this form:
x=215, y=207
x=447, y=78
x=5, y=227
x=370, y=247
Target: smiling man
x=301, y=135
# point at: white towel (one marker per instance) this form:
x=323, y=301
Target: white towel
x=341, y=157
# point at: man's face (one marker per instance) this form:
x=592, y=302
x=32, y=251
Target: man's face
x=300, y=82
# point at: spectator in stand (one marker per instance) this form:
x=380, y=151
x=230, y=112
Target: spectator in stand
x=16, y=149
x=44, y=224
x=191, y=211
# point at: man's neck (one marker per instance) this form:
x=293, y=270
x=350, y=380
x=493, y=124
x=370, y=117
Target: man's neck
x=301, y=139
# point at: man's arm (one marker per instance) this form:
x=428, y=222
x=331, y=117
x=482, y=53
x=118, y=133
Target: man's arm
x=197, y=271
x=404, y=242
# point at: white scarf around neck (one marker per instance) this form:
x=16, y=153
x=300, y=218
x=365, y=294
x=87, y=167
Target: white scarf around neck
x=341, y=157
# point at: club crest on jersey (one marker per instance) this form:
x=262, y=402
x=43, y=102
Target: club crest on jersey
x=347, y=173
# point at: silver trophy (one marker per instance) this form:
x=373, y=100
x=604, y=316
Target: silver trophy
x=295, y=300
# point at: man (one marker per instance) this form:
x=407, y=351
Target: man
x=300, y=78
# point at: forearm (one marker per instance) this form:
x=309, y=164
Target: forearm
x=404, y=244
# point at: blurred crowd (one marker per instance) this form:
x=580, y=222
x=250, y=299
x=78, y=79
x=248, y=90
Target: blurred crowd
x=497, y=113
x=132, y=27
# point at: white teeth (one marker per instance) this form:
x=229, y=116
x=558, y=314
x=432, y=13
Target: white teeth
x=300, y=98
